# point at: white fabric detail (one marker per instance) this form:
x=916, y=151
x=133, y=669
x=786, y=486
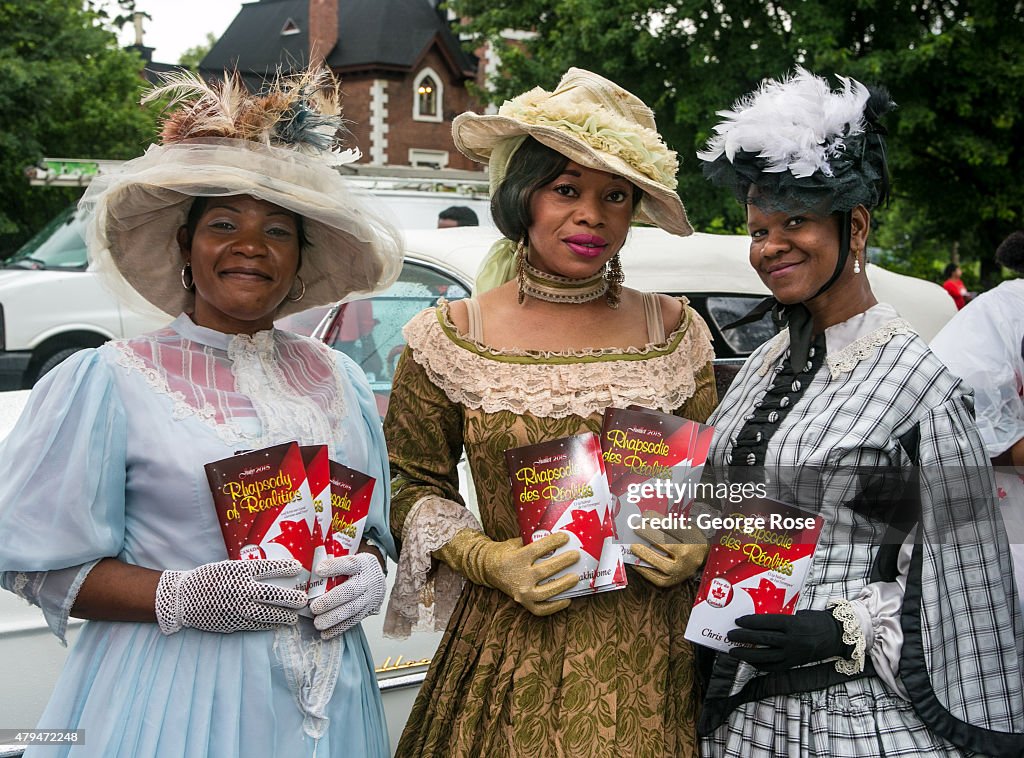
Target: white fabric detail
x=844, y=613
x=359, y=596
x=420, y=593
x=311, y=668
x=575, y=383
x=228, y=596
x=883, y=604
x=862, y=348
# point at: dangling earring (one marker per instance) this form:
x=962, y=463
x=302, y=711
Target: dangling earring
x=521, y=269
x=613, y=275
x=187, y=270
x=302, y=291
x=856, y=262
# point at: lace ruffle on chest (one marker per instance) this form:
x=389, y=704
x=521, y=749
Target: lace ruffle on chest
x=556, y=385
x=260, y=390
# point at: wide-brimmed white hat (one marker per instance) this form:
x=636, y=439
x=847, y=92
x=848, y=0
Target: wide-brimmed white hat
x=223, y=141
x=591, y=121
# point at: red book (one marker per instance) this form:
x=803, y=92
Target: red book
x=318, y=474
x=264, y=508
x=351, y=492
x=758, y=563
x=561, y=485
x=653, y=461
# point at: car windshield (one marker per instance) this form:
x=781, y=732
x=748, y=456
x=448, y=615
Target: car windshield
x=59, y=244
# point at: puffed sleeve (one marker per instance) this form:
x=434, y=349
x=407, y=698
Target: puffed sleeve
x=982, y=345
x=377, y=527
x=62, y=496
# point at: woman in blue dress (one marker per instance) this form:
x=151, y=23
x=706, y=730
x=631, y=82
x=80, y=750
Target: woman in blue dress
x=237, y=218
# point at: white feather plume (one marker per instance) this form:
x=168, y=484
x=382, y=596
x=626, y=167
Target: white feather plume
x=795, y=125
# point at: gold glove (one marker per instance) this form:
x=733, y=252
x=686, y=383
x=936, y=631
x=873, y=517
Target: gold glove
x=682, y=552
x=509, y=566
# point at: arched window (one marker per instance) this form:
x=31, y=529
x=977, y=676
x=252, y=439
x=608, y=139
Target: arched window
x=428, y=96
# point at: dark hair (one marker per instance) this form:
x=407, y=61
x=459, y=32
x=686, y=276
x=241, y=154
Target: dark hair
x=1010, y=252
x=950, y=268
x=531, y=167
x=198, y=207
x=462, y=215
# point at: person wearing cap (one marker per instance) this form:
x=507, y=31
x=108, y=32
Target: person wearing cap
x=906, y=638
x=238, y=217
x=549, y=341
x=984, y=346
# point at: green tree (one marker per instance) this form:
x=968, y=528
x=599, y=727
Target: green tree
x=66, y=90
x=955, y=67
x=193, y=56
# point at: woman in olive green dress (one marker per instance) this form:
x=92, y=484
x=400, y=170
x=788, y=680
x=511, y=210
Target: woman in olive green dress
x=552, y=341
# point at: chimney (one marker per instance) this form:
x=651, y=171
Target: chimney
x=323, y=29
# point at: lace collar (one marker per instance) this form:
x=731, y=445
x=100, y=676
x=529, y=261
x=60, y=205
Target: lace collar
x=849, y=342
x=184, y=326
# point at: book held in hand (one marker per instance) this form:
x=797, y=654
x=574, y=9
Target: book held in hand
x=758, y=563
x=653, y=460
x=351, y=492
x=560, y=485
x=264, y=507
x=318, y=474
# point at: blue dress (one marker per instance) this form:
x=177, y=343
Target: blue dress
x=107, y=461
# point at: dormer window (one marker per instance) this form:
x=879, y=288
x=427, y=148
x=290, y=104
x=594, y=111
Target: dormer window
x=290, y=27
x=428, y=96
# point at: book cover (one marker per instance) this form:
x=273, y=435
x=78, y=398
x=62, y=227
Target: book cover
x=758, y=563
x=561, y=485
x=351, y=492
x=264, y=507
x=652, y=459
x=318, y=474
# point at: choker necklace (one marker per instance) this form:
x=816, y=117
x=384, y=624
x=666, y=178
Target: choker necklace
x=560, y=289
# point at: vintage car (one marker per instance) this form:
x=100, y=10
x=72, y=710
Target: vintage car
x=711, y=270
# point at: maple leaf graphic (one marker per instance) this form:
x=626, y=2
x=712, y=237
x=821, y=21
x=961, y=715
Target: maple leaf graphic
x=587, y=527
x=295, y=537
x=768, y=598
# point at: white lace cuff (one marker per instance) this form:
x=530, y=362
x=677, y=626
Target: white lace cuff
x=853, y=634
x=421, y=595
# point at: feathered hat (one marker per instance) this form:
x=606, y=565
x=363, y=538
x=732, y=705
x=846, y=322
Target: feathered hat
x=803, y=145
x=282, y=146
x=591, y=121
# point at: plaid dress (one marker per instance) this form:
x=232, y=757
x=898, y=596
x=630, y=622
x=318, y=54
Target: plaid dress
x=878, y=401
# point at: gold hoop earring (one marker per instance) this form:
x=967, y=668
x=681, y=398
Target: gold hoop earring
x=302, y=291
x=614, y=276
x=521, y=269
x=191, y=283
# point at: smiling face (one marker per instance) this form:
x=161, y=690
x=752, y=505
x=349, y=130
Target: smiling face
x=244, y=254
x=580, y=220
x=794, y=253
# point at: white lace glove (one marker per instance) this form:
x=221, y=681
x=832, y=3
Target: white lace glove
x=228, y=596
x=349, y=603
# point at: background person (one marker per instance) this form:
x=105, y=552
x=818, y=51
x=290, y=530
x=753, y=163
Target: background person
x=954, y=285
x=906, y=638
x=457, y=215
x=235, y=219
x=984, y=346
x=552, y=341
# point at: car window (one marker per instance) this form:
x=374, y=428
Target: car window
x=724, y=309
x=370, y=331
x=59, y=244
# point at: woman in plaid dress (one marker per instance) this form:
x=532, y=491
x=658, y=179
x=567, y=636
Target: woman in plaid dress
x=907, y=639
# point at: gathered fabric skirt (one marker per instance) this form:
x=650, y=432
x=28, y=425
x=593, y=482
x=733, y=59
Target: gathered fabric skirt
x=612, y=675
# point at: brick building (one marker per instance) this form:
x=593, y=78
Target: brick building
x=403, y=71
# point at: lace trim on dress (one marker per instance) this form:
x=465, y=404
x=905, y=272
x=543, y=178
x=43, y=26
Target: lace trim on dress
x=776, y=349
x=862, y=348
x=559, y=384
x=843, y=612
x=311, y=668
x=421, y=598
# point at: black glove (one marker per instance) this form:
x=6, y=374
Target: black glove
x=786, y=641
